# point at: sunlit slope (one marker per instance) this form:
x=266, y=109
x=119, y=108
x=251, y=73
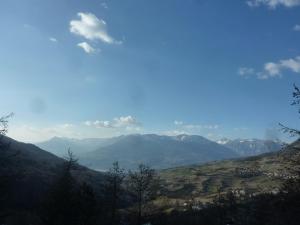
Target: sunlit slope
x=264, y=173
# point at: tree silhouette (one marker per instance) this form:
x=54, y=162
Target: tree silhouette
x=61, y=204
x=115, y=178
x=87, y=205
x=6, y=175
x=142, y=185
x=296, y=102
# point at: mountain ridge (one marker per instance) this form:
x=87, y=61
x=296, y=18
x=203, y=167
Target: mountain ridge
x=252, y=146
x=157, y=151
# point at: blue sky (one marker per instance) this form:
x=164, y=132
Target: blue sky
x=98, y=68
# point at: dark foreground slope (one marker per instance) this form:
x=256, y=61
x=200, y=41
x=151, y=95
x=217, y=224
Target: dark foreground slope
x=29, y=171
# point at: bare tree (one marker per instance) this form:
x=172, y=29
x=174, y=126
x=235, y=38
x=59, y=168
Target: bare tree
x=296, y=102
x=4, y=128
x=6, y=175
x=4, y=123
x=293, y=185
x=115, y=178
x=142, y=184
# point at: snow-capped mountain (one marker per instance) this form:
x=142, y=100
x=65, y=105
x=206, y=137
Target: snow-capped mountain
x=251, y=147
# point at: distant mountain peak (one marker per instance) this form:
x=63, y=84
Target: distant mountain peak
x=251, y=146
x=223, y=141
x=158, y=151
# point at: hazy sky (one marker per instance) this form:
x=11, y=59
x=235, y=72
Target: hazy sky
x=96, y=68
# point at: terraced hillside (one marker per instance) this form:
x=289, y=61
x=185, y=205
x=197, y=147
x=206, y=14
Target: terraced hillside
x=264, y=173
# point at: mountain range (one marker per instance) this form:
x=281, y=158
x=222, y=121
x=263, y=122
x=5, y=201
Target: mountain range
x=158, y=151
x=251, y=147
x=263, y=173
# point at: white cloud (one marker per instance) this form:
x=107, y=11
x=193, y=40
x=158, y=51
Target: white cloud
x=174, y=132
x=246, y=71
x=176, y=122
x=238, y=129
x=30, y=133
x=91, y=28
x=104, y=5
x=52, y=39
x=88, y=123
x=86, y=47
x=89, y=129
x=133, y=129
x=98, y=124
x=127, y=122
x=272, y=69
x=275, y=69
x=66, y=125
x=273, y=3
x=102, y=124
x=296, y=27
x=185, y=126
x=291, y=64
x=211, y=126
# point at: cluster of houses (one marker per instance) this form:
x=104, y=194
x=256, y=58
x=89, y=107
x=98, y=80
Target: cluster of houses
x=284, y=176
x=247, y=172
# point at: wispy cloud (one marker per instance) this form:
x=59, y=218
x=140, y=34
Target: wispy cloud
x=103, y=124
x=176, y=122
x=296, y=27
x=273, y=69
x=53, y=39
x=88, y=129
x=239, y=129
x=128, y=122
x=91, y=28
x=31, y=133
x=272, y=4
x=104, y=5
x=185, y=126
x=86, y=47
x=174, y=132
x=246, y=71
